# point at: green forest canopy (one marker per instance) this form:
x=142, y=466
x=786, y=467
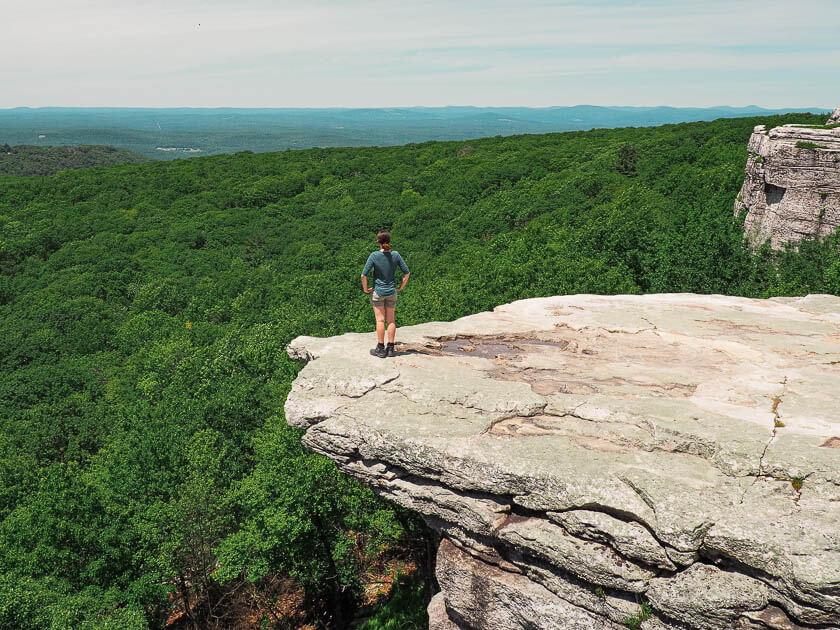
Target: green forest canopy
x=31, y=160
x=146, y=309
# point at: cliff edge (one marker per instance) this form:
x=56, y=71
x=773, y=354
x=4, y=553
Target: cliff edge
x=791, y=188
x=597, y=462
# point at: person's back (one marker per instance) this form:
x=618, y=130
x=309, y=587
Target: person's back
x=384, y=271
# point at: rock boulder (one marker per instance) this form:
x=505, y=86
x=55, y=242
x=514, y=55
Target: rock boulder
x=791, y=188
x=596, y=462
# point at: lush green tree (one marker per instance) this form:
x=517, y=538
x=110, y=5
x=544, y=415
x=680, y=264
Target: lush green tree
x=627, y=158
x=303, y=517
x=185, y=531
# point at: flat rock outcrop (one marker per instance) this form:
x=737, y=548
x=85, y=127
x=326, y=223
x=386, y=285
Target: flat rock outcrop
x=791, y=188
x=596, y=462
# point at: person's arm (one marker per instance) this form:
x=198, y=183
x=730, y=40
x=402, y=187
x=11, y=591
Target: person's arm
x=405, y=271
x=365, y=272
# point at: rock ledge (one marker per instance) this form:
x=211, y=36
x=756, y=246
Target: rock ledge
x=583, y=454
x=791, y=188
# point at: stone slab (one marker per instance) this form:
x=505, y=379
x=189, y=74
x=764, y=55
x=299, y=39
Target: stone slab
x=624, y=445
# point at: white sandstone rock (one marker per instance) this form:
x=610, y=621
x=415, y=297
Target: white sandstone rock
x=581, y=453
x=791, y=188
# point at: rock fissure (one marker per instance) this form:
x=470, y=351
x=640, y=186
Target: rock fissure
x=796, y=609
x=400, y=392
x=777, y=424
x=640, y=493
x=652, y=325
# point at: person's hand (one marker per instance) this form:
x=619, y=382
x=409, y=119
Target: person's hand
x=367, y=290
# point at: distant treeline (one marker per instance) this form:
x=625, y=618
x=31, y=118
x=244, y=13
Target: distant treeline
x=146, y=469
x=34, y=160
x=170, y=133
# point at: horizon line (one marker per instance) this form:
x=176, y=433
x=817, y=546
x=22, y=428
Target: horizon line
x=391, y=107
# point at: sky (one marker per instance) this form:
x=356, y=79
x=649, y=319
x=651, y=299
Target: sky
x=356, y=53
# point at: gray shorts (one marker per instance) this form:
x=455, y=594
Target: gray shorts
x=389, y=301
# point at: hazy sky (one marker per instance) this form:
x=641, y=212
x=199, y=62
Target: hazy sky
x=321, y=53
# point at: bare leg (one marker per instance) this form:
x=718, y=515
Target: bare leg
x=379, y=313
x=392, y=324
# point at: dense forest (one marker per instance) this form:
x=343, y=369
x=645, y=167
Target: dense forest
x=147, y=476
x=34, y=160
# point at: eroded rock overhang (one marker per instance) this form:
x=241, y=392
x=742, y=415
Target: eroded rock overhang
x=581, y=455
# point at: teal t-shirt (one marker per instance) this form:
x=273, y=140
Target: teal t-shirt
x=384, y=266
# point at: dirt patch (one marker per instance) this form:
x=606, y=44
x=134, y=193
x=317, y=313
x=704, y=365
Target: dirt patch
x=496, y=346
x=485, y=346
x=832, y=442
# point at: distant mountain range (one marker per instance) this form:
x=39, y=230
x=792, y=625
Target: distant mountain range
x=179, y=132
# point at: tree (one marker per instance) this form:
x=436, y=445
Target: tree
x=627, y=158
x=190, y=526
x=299, y=513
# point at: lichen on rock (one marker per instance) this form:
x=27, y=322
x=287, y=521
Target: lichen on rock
x=791, y=187
x=582, y=456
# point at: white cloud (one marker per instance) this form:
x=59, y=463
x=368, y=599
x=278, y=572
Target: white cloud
x=263, y=53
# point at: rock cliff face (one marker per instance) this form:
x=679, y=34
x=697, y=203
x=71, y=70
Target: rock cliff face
x=792, y=185
x=584, y=455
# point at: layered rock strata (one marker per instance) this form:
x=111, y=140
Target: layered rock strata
x=791, y=188
x=598, y=462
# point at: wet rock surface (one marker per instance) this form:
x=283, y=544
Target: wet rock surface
x=587, y=457
x=791, y=188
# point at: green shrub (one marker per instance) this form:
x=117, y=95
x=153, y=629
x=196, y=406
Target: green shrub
x=645, y=613
x=803, y=144
x=403, y=609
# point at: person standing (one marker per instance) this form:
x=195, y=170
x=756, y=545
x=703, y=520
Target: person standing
x=383, y=293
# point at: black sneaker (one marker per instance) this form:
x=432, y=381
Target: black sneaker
x=389, y=350
x=379, y=351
